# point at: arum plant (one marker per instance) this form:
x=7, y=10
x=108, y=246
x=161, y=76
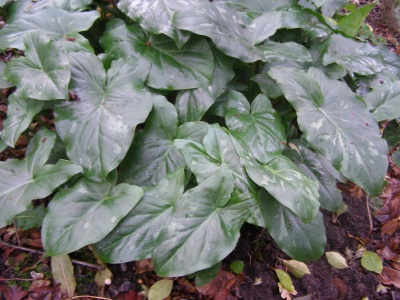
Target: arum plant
x=179, y=121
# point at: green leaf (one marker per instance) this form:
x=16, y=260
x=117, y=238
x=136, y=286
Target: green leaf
x=396, y=157
x=152, y=155
x=86, y=213
x=260, y=6
x=20, y=113
x=134, y=236
x=285, y=280
x=156, y=16
x=226, y=29
x=3, y=82
x=193, y=104
x=205, y=276
x=330, y=7
x=32, y=217
x=55, y=23
x=99, y=129
x=384, y=101
x=204, y=160
x=43, y=73
x=357, y=57
x=352, y=22
x=170, y=68
x=284, y=181
x=203, y=230
x=160, y=290
x=29, y=179
x=259, y=126
x=298, y=268
x=342, y=129
x=320, y=169
x=371, y=262
x=391, y=133
x=336, y=260
x=63, y=273
x=300, y=241
x=237, y=266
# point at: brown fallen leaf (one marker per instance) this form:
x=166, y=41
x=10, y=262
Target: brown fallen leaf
x=223, y=281
x=391, y=226
x=144, y=265
x=185, y=285
x=341, y=288
x=14, y=292
x=389, y=276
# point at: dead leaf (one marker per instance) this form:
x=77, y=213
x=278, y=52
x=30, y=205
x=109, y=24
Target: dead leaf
x=63, y=273
x=223, y=281
x=341, y=288
x=381, y=289
x=387, y=254
x=14, y=292
x=257, y=281
x=299, y=269
x=38, y=284
x=144, y=265
x=390, y=276
x=185, y=285
x=391, y=226
x=336, y=260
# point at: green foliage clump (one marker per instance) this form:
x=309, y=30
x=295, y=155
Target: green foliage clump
x=181, y=120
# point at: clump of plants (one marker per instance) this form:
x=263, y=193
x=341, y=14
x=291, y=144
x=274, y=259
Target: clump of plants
x=178, y=121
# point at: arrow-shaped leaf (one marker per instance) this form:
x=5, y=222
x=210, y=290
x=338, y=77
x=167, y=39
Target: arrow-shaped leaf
x=28, y=179
x=99, y=129
x=86, y=213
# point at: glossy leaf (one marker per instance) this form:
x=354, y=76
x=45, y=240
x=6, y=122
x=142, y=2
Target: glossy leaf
x=260, y=5
x=320, y=169
x=43, y=73
x=356, y=57
x=20, y=113
x=336, y=260
x=342, y=129
x=300, y=241
x=203, y=229
x=86, y=213
x=384, y=101
x=170, y=68
x=237, y=266
x=32, y=217
x=3, y=82
x=330, y=7
x=152, y=156
x=156, y=16
x=352, y=22
x=29, y=179
x=135, y=235
x=284, y=181
x=63, y=273
x=205, y=276
x=99, y=129
x=226, y=29
x=259, y=126
x=55, y=23
x=193, y=104
x=217, y=148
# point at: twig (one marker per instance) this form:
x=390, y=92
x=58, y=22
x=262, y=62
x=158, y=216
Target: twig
x=74, y=261
x=20, y=279
x=92, y=297
x=16, y=232
x=371, y=226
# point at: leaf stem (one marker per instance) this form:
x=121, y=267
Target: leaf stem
x=369, y=217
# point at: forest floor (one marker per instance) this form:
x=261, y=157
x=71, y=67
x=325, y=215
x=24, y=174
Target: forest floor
x=22, y=262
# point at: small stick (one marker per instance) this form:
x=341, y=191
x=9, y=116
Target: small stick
x=20, y=279
x=16, y=232
x=74, y=261
x=371, y=226
x=92, y=297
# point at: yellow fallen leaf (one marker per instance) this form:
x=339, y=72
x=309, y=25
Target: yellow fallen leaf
x=298, y=268
x=336, y=260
